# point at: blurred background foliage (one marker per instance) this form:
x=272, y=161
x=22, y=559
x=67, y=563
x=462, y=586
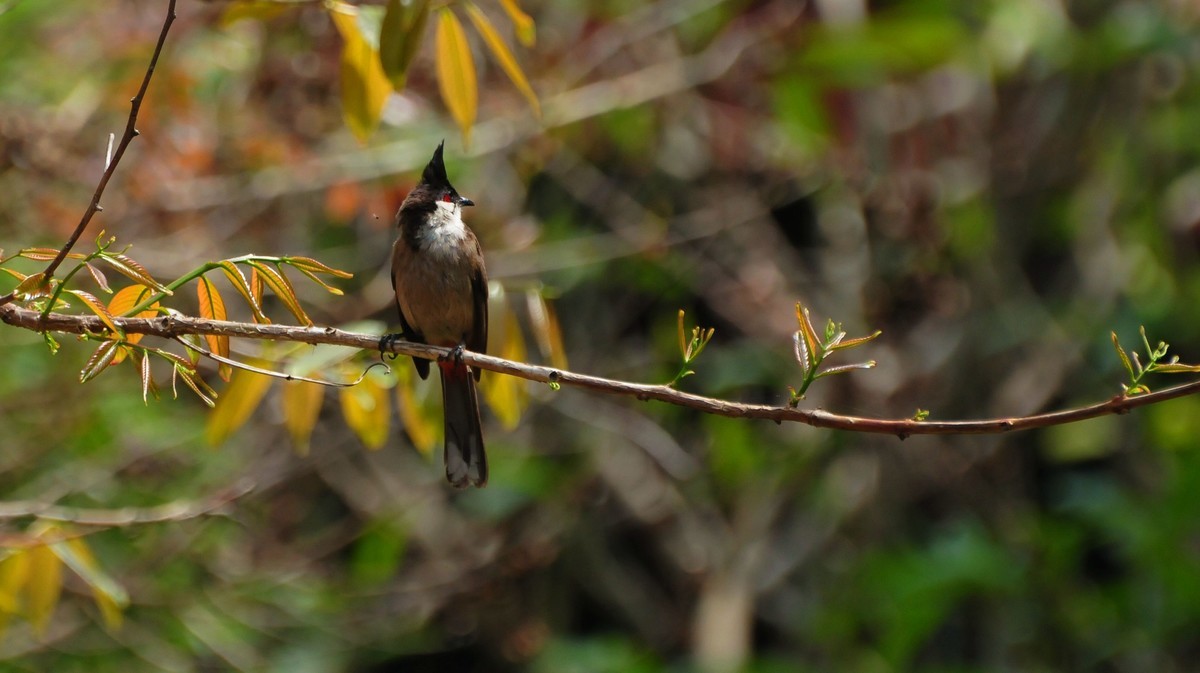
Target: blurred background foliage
x=995, y=184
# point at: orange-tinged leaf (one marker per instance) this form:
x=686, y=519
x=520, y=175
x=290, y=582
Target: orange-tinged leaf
x=128, y=298
x=365, y=87
x=365, y=408
x=400, y=36
x=857, y=341
x=212, y=307
x=256, y=286
x=522, y=24
x=102, y=358
x=319, y=267
x=239, y=282
x=14, y=273
x=808, y=332
x=506, y=395
x=33, y=286
x=46, y=254
x=316, y=279
x=98, y=308
x=98, y=276
x=124, y=301
x=197, y=384
x=421, y=428
x=236, y=404
x=301, y=407
x=110, y=597
x=456, y=71
x=43, y=586
x=282, y=288
x=503, y=56
x=134, y=271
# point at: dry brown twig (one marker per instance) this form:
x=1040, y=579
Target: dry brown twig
x=172, y=327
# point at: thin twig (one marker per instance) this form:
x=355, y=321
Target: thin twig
x=112, y=159
x=174, y=326
x=275, y=374
x=179, y=510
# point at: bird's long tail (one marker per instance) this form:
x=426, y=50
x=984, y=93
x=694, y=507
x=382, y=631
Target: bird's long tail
x=466, y=462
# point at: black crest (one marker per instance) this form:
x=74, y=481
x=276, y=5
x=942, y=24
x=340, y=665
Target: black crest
x=435, y=170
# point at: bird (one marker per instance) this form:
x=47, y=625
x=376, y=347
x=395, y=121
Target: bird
x=440, y=283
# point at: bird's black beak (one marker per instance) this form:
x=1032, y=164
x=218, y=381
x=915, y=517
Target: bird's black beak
x=465, y=202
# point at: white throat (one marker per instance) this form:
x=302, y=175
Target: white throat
x=445, y=228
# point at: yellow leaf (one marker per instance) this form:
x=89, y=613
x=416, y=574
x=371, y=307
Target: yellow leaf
x=503, y=56
x=238, y=280
x=43, y=586
x=365, y=407
x=301, y=407
x=456, y=71
x=547, y=331
x=365, y=87
x=506, y=395
x=421, y=429
x=400, y=37
x=250, y=9
x=212, y=307
x=522, y=24
x=14, y=571
x=233, y=409
x=282, y=288
x=110, y=597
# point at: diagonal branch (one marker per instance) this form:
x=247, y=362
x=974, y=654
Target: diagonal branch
x=174, y=326
x=131, y=132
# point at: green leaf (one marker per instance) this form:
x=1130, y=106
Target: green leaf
x=400, y=38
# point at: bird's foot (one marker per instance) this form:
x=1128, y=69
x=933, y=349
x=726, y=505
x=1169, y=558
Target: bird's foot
x=385, y=345
x=454, y=355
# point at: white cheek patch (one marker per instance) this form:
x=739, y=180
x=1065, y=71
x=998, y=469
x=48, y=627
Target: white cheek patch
x=447, y=206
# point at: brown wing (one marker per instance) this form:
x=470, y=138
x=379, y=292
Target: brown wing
x=410, y=334
x=479, y=333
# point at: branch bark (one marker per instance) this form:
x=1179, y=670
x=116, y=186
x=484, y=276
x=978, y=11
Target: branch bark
x=175, y=326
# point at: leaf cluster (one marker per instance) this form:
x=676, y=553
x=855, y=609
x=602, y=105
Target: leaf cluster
x=380, y=43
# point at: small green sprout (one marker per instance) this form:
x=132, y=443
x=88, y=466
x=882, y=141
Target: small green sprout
x=811, y=351
x=1133, y=364
x=689, y=350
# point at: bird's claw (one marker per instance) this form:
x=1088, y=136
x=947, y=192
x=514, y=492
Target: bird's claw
x=385, y=346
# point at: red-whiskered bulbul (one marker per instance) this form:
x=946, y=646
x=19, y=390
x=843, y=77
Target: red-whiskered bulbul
x=441, y=291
